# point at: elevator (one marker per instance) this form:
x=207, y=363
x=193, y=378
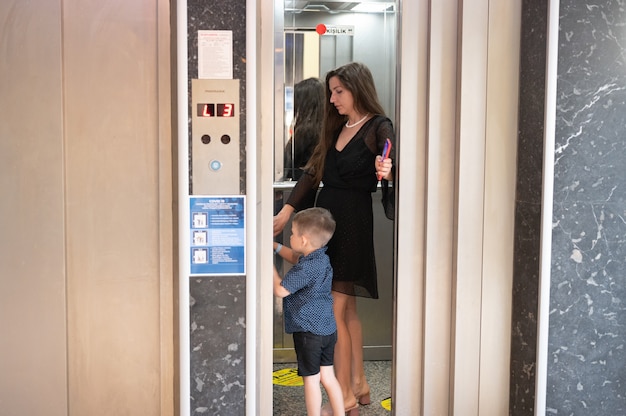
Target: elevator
x=440, y=317
x=318, y=36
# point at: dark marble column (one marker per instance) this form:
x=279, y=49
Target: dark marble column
x=586, y=371
x=218, y=303
x=587, y=330
x=528, y=207
x=218, y=333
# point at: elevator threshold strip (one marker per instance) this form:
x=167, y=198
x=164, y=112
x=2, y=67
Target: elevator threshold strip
x=290, y=377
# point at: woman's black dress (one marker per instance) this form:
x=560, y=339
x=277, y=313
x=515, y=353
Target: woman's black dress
x=348, y=182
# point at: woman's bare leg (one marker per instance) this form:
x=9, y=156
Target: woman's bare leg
x=358, y=381
x=343, y=348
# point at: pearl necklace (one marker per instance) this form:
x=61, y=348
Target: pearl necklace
x=348, y=125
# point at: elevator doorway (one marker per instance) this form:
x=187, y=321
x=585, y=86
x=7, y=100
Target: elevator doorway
x=365, y=32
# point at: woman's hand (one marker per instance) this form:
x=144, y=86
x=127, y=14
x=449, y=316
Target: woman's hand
x=383, y=168
x=281, y=219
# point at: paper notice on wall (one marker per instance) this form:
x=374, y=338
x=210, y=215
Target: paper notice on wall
x=215, y=54
x=217, y=235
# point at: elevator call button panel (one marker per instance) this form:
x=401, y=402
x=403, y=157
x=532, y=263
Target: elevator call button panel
x=215, y=136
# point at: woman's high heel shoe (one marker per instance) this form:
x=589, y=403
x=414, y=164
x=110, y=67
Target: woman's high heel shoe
x=353, y=411
x=364, y=399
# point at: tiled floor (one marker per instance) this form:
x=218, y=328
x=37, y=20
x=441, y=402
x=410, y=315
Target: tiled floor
x=289, y=401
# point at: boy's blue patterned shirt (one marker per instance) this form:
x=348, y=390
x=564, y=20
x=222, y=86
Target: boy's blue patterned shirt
x=309, y=306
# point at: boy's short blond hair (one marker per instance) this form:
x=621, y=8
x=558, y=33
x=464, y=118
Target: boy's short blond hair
x=317, y=224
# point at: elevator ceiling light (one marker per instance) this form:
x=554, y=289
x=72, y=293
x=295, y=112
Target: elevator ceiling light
x=372, y=7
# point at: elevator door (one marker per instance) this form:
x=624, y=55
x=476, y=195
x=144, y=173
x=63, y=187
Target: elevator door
x=376, y=314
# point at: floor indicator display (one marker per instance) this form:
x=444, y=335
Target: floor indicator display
x=215, y=140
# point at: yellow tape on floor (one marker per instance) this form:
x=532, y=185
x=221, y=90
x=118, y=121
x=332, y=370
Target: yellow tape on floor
x=287, y=377
x=290, y=377
x=386, y=404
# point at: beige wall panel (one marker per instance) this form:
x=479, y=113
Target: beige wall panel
x=112, y=171
x=470, y=197
x=440, y=202
x=167, y=178
x=500, y=161
x=260, y=396
x=32, y=275
x=410, y=222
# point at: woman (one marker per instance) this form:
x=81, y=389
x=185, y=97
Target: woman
x=308, y=106
x=348, y=163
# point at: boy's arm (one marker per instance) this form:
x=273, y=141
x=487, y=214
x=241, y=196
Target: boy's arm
x=286, y=253
x=279, y=290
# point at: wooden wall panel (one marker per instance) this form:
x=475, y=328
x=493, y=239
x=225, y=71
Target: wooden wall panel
x=32, y=275
x=86, y=248
x=500, y=163
x=454, y=296
x=113, y=206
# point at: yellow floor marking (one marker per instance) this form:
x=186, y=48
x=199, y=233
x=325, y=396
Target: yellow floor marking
x=386, y=404
x=287, y=377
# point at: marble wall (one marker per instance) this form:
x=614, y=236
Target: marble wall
x=218, y=304
x=527, y=236
x=586, y=372
x=587, y=330
x=218, y=333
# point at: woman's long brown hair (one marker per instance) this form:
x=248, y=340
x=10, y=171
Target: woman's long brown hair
x=356, y=78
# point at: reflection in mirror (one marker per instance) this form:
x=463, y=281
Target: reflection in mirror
x=308, y=111
x=350, y=31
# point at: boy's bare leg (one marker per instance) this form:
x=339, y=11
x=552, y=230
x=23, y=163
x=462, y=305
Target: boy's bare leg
x=313, y=394
x=333, y=389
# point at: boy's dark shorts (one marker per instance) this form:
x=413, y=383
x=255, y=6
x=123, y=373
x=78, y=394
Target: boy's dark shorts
x=313, y=351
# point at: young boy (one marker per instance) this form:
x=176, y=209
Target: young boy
x=308, y=306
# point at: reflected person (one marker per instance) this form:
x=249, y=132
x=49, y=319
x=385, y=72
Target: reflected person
x=308, y=107
x=347, y=162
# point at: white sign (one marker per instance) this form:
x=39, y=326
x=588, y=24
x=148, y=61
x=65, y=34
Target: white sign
x=339, y=30
x=215, y=54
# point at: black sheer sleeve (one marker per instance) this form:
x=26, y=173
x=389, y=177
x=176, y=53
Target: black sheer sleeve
x=376, y=142
x=304, y=193
x=389, y=197
x=381, y=131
